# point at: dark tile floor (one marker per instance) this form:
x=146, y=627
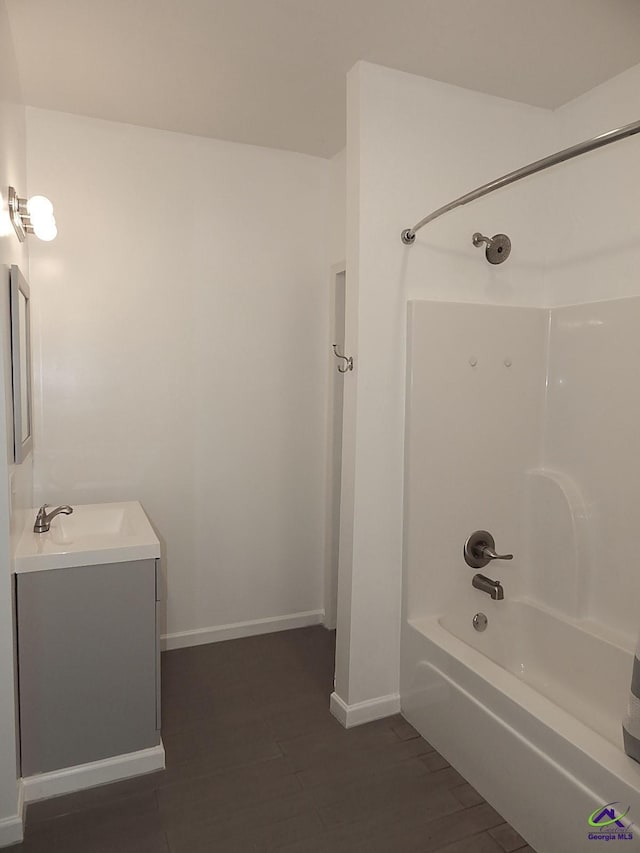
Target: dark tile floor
x=255, y=762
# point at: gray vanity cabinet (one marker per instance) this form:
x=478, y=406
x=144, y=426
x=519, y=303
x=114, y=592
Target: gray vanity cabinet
x=89, y=663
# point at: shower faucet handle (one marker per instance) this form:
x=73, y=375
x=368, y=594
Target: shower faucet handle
x=486, y=551
x=480, y=549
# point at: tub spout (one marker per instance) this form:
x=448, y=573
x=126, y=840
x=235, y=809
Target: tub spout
x=492, y=588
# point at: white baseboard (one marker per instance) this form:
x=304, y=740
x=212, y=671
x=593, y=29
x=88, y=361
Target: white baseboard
x=364, y=712
x=12, y=828
x=83, y=776
x=237, y=630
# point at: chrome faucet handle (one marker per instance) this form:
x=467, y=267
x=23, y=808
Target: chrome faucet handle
x=42, y=511
x=486, y=551
x=480, y=549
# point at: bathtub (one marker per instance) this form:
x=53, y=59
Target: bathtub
x=529, y=711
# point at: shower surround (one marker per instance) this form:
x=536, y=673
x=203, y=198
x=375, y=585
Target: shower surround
x=414, y=145
x=521, y=421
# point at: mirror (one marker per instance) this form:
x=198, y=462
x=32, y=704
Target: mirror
x=21, y=364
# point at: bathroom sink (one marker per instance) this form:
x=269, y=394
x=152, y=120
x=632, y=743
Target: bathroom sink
x=108, y=520
x=92, y=534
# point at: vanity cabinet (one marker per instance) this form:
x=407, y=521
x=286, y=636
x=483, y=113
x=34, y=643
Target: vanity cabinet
x=89, y=663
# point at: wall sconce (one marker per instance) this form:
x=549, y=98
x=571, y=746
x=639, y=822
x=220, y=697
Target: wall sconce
x=34, y=216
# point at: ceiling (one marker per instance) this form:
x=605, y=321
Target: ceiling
x=272, y=72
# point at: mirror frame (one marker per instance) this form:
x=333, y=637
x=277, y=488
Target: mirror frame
x=18, y=286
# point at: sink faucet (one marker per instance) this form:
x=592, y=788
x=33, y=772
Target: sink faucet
x=492, y=588
x=44, y=518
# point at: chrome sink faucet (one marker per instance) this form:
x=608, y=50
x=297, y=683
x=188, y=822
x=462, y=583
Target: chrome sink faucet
x=44, y=518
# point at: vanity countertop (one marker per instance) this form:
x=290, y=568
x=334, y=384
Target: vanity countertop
x=91, y=535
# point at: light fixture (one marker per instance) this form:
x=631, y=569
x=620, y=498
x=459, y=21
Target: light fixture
x=34, y=216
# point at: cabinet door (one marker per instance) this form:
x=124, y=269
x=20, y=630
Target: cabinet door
x=87, y=653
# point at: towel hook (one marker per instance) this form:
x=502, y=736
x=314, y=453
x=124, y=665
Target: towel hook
x=349, y=359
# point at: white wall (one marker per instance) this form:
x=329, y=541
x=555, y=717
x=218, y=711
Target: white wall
x=337, y=211
x=12, y=172
x=596, y=246
x=412, y=145
x=181, y=325
x=336, y=282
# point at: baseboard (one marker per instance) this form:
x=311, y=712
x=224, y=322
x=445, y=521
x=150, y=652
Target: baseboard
x=83, y=776
x=237, y=630
x=12, y=828
x=364, y=712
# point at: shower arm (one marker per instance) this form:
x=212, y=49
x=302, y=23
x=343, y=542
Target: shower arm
x=408, y=236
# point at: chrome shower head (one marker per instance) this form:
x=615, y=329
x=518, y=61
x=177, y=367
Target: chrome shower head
x=498, y=247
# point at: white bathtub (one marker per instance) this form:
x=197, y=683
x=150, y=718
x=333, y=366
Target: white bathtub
x=530, y=712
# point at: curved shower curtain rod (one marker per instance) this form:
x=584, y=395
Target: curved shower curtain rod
x=409, y=234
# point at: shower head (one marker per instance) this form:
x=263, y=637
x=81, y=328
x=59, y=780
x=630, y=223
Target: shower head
x=498, y=247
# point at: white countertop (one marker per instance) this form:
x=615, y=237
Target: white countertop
x=92, y=534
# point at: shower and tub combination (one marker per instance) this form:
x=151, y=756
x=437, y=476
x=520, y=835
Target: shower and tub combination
x=520, y=612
